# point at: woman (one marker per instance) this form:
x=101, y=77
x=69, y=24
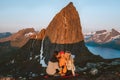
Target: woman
x=70, y=63
x=53, y=67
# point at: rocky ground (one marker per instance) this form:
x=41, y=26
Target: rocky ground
x=107, y=70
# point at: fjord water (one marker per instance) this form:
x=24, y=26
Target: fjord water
x=106, y=53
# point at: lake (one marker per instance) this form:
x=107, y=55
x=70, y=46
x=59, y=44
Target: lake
x=106, y=53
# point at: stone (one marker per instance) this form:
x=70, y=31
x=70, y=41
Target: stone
x=94, y=71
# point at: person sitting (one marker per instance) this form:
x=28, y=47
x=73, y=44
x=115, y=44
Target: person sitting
x=53, y=67
x=70, y=63
x=62, y=63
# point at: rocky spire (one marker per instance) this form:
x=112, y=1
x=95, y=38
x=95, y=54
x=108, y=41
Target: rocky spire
x=65, y=28
x=65, y=33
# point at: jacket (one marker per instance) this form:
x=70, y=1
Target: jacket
x=51, y=68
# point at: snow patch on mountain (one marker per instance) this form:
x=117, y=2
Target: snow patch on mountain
x=30, y=34
x=102, y=36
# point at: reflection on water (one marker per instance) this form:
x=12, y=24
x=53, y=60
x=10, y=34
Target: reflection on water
x=106, y=53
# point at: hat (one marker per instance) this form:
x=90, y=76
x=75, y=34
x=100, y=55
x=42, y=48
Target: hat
x=61, y=52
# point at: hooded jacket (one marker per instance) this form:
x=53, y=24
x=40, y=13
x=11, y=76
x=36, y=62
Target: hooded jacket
x=51, y=68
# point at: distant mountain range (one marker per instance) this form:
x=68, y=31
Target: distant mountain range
x=17, y=39
x=5, y=34
x=103, y=38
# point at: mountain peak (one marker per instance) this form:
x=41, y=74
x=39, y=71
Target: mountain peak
x=65, y=28
x=19, y=38
x=114, y=32
x=41, y=34
x=104, y=36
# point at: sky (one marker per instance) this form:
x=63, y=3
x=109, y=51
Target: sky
x=94, y=14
